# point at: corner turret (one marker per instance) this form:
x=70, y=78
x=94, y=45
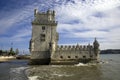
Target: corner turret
x=35, y=12
x=96, y=48
x=96, y=44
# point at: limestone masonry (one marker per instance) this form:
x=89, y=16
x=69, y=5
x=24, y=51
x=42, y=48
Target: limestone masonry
x=44, y=46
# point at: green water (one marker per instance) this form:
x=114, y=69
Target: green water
x=19, y=70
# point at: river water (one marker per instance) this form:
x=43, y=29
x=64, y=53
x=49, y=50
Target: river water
x=19, y=70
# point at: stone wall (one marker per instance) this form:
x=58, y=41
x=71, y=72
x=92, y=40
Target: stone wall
x=73, y=52
x=40, y=54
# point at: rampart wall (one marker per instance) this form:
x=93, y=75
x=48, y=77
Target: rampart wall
x=65, y=52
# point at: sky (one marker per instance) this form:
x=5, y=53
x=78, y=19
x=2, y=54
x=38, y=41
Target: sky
x=79, y=22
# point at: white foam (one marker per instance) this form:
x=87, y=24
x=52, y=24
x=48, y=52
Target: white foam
x=81, y=64
x=18, y=73
x=18, y=70
x=61, y=75
x=104, y=62
x=33, y=78
x=58, y=65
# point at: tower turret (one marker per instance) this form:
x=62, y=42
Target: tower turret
x=96, y=48
x=96, y=44
x=35, y=12
x=53, y=13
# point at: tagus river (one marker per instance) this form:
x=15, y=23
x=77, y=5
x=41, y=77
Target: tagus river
x=19, y=70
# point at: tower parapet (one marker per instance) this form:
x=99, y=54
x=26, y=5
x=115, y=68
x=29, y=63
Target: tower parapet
x=44, y=18
x=35, y=12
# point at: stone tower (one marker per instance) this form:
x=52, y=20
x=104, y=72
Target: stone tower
x=44, y=37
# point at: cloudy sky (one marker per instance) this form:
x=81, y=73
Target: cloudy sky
x=79, y=21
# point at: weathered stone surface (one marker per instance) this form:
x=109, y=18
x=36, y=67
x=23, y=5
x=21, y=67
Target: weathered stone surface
x=40, y=61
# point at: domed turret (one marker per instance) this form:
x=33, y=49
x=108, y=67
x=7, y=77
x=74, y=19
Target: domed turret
x=96, y=48
x=96, y=44
x=35, y=11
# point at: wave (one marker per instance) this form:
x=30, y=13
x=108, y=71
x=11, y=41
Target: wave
x=104, y=62
x=59, y=66
x=33, y=78
x=87, y=64
x=61, y=75
x=81, y=64
x=18, y=73
x=17, y=70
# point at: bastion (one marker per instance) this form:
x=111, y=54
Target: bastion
x=44, y=46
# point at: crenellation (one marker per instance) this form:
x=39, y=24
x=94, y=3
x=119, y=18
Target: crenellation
x=69, y=47
x=61, y=47
x=73, y=47
x=66, y=46
x=77, y=47
x=80, y=47
x=88, y=46
x=83, y=47
x=91, y=46
x=35, y=12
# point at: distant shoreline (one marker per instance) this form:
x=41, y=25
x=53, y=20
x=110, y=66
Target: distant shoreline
x=110, y=51
x=7, y=58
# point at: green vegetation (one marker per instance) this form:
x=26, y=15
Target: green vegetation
x=10, y=52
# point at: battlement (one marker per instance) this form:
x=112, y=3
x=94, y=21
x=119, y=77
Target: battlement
x=49, y=12
x=47, y=18
x=74, y=47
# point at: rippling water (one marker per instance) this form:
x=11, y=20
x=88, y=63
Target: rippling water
x=19, y=70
